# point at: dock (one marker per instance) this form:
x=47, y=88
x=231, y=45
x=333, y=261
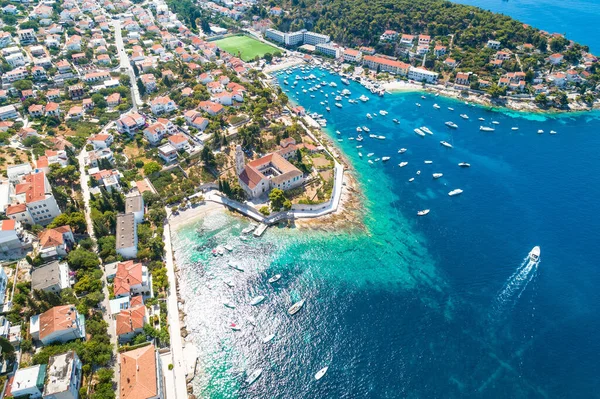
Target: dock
x=260, y=230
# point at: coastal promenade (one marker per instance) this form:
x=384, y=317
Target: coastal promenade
x=179, y=391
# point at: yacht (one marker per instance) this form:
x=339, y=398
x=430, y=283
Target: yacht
x=495, y=122
x=373, y=136
x=359, y=138
x=322, y=103
x=385, y=159
x=412, y=179
x=339, y=105
x=423, y=212
x=428, y=162
x=464, y=116
x=455, y=192
x=514, y=129
x=369, y=116
x=481, y=119
x=345, y=81
x=417, y=104
x=380, y=137
x=338, y=98
x=403, y=164
x=540, y=131
x=464, y=165
x=257, y=300
x=366, y=129
x=254, y=376
x=321, y=373
x=274, y=279
x=363, y=98
x=436, y=106
x=360, y=154
x=451, y=124
x=446, y=144
x=552, y=131
x=383, y=112
x=486, y=129
x=423, y=97
x=285, y=82
x=332, y=84
x=437, y=175
x=351, y=101
x=450, y=109
x=296, y=307
x=418, y=172
x=369, y=155
x=534, y=255
x=426, y=130
x=419, y=132
x=359, y=146
x=268, y=338
x=402, y=150
x=370, y=162
x=395, y=120
x=338, y=132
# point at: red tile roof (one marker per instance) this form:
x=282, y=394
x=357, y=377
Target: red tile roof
x=34, y=187
x=58, y=318
x=128, y=274
x=138, y=373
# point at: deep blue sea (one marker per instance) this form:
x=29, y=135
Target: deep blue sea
x=441, y=306
x=575, y=18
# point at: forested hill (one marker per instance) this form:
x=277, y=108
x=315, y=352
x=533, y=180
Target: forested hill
x=360, y=22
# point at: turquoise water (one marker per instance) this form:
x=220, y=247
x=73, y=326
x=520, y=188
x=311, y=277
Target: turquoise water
x=575, y=18
x=438, y=306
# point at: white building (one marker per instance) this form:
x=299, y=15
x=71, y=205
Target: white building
x=329, y=50
x=29, y=382
x=51, y=277
x=12, y=236
x=275, y=35
x=315, y=38
x=422, y=75
x=294, y=38
x=64, y=376
x=59, y=324
x=135, y=204
x=127, y=238
x=167, y=153
x=36, y=193
x=8, y=112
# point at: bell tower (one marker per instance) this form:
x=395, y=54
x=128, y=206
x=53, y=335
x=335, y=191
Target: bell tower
x=240, y=161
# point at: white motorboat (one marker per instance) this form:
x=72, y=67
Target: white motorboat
x=366, y=129
x=481, y=119
x=402, y=150
x=321, y=373
x=345, y=81
x=369, y=116
x=351, y=101
x=383, y=112
x=268, y=338
x=285, y=82
x=455, y=192
x=464, y=116
x=446, y=144
x=369, y=155
x=377, y=159
x=451, y=125
x=514, y=129
x=423, y=212
x=464, y=165
x=417, y=104
x=333, y=84
x=380, y=137
x=254, y=376
x=370, y=162
x=436, y=106
x=359, y=129
x=450, y=109
x=495, y=122
x=426, y=130
x=540, y=131
x=395, y=120
x=552, y=131
x=423, y=97
x=359, y=146
x=257, y=300
x=296, y=307
x=403, y=164
x=385, y=159
x=234, y=327
x=427, y=162
x=437, y=175
x=359, y=138
x=418, y=172
x=249, y=229
x=486, y=129
x=339, y=105
x=534, y=255
x=411, y=179
x=363, y=98
x=338, y=132
x=360, y=154
x=338, y=98
x=419, y=132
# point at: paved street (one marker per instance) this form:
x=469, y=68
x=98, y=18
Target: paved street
x=174, y=325
x=136, y=100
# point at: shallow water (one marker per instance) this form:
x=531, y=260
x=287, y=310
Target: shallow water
x=416, y=306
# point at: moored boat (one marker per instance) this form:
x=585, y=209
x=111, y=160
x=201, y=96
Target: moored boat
x=257, y=300
x=274, y=279
x=254, y=376
x=403, y=164
x=426, y=130
x=419, y=132
x=437, y=175
x=423, y=212
x=321, y=373
x=446, y=144
x=486, y=129
x=296, y=307
x=268, y=338
x=454, y=192
x=464, y=165
x=451, y=125
x=402, y=150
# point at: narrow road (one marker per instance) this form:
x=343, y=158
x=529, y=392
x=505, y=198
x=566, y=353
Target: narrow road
x=173, y=318
x=136, y=100
x=85, y=192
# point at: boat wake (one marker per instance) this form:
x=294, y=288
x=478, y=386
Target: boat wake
x=516, y=285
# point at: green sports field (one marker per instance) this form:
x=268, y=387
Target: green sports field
x=248, y=47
